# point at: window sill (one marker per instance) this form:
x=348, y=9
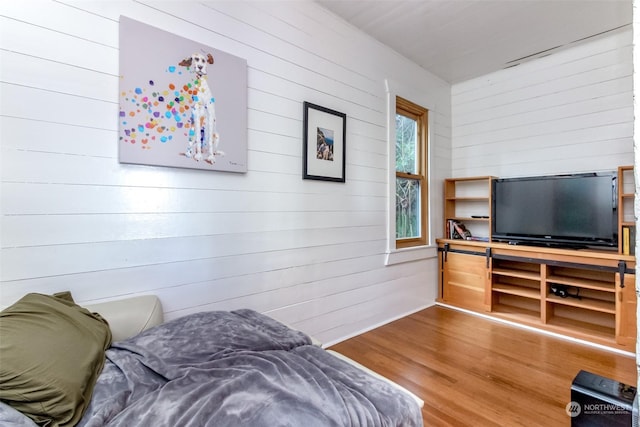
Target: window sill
x=415, y=253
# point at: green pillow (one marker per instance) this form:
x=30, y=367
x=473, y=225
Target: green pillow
x=51, y=353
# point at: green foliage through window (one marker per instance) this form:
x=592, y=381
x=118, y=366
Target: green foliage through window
x=406, y=135
x=407, y=208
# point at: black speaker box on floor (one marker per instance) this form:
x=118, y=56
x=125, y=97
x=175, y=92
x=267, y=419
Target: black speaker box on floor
x=597, y=401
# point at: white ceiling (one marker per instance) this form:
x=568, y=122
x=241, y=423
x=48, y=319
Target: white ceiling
x=461, y=39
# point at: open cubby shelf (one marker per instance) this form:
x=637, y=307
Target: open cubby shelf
x=517, y=313
x=585, y=330
x=598, y=285
x=523, y=274
x=586, y=303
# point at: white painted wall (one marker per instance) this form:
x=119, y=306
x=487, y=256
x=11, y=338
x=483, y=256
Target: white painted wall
x=568, y=112
x=309, y=253
x=636, y=170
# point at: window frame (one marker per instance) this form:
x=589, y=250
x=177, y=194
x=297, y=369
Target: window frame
x=421, y=116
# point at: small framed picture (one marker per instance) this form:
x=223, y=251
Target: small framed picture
x=324, y=153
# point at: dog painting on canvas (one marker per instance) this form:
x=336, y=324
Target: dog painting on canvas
x=204, y=132
x=181, y=102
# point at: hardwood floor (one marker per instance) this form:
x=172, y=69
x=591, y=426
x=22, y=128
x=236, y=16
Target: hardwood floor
x=472, y=371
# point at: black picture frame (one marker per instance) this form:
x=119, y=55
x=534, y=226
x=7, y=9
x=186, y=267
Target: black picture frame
x=324, y=144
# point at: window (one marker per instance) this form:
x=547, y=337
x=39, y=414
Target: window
x=411, y=174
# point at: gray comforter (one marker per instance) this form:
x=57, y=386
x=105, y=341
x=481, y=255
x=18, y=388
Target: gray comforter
x=237, y=368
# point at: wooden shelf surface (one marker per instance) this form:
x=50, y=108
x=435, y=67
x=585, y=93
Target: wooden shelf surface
x=597, y=285
x=589, y=330
x=468, y=218
x=470, y=178
x=521, y=291
x=468, y=199
x=522, y=274
x=516, y=313
x=585, y=303
x=585, y=256
x=579, y=329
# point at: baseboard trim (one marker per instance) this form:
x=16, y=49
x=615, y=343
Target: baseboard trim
x=377, y=325
x=540, y=331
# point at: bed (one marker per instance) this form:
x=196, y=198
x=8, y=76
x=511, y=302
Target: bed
x=118, y=364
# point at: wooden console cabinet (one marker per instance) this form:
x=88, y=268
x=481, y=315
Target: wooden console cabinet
x=515, y=283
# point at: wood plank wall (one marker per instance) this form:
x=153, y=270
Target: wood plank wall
x=571, y=111
x=309, y=253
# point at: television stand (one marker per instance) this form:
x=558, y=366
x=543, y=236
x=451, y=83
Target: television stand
x=514, y=283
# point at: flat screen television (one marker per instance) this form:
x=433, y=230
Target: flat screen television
x=579, y=210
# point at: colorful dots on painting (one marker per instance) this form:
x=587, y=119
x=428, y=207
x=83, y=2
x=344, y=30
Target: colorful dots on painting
x=147, y=108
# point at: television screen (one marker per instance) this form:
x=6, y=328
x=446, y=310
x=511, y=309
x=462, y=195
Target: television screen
x=567, y=209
